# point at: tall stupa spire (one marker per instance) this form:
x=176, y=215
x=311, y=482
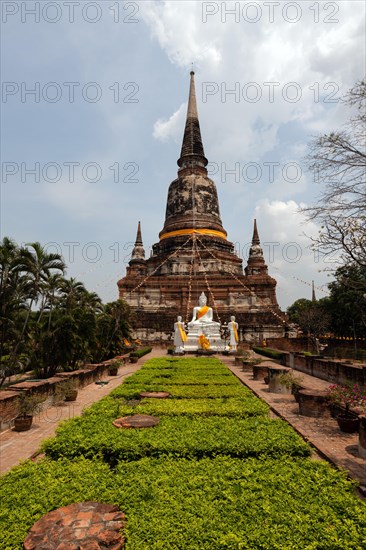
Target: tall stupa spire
x=255, y=239
x=192, y=203
x=313, y=296
x=193, y=254
x=256, y=264
x=138, y=252
x=192, y=152
x=139, y=236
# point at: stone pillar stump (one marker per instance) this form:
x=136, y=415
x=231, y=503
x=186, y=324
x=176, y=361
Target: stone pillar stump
x=247, y=365
x=313, y=403
x=274, y=382
x=362, y=437
x=260, y=372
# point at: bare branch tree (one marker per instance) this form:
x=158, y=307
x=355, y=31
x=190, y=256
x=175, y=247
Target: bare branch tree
x=338, y=161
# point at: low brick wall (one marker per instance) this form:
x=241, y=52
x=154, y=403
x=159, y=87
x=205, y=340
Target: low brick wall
x=335, y=372
x=47, y=388
x=288, y=344
x=8, y=408
x=39, y=388
x=335, y=347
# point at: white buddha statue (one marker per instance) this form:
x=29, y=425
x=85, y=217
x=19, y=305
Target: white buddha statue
x=180, y=336
x=203, y=323
x=202, y=314
x=234, y=337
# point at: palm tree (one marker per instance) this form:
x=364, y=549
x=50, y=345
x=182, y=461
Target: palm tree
x=82, y=307
x=72, y=293
x=39, y=266
x=52, y=292
x=112, y=328
x=12, y=286
x=71, y=324
x=13, y=296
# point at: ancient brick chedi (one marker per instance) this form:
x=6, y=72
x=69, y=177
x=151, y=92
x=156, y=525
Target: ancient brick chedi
x=193, y=255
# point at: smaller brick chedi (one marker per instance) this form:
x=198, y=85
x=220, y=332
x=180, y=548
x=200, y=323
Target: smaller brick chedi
x=193, y=255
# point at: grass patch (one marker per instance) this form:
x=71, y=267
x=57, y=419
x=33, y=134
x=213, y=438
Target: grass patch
x=238, y=407
x=216, y=473
x=211, y=504
x=194, y=391
x=31, y=490
x=175, y=437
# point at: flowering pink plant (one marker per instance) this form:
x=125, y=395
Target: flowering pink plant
x=346, y=395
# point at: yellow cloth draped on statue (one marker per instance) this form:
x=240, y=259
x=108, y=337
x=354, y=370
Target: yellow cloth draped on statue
x=182, y=333
x=202, y=311
x=204, y=342
x=236, y=334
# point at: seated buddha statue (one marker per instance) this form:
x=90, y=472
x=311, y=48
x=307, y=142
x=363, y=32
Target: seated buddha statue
x=202, y=314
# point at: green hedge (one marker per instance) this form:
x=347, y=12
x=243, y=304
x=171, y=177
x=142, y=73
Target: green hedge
x=221, y=503
x=240, y=407
x=272, y=353
x=175, y=436
x=233, y=504
x=130, y=391
x=196, y=494
x=182, y=379
x=187, y=364
x=140, y=352
x=31, y=490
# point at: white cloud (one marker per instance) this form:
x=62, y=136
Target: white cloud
x=231, y=54
x=178, y=28
x=285, y=235
x=171, y=128
x=154, y=53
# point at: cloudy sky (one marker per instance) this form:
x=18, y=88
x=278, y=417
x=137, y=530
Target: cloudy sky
x=94, y=97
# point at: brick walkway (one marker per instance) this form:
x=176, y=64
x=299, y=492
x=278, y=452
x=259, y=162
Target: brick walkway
x=18, y=446
x=323, y=433
x=337, y=447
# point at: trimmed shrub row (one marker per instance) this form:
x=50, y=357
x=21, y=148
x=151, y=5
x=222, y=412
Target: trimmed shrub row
x=140, y=352
x=208, y=504
x=31, y=490
x=232, y=504
x=176, y=437
x=267, y=352
x=163, y=377
x=237, y=407
x=131, y=391
x=215, y=473
x=191, y=365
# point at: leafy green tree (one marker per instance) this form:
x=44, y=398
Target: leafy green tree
x=38, y=266
x=347, y=301
x=64, y=336
x=112, y=329
x=50, y=344
x=294, y=311
x=13, y=305
x=312, y=317
x=48, y=322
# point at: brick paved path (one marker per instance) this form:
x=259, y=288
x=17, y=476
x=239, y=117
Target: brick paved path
x=339, y=448
x=17, y=446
